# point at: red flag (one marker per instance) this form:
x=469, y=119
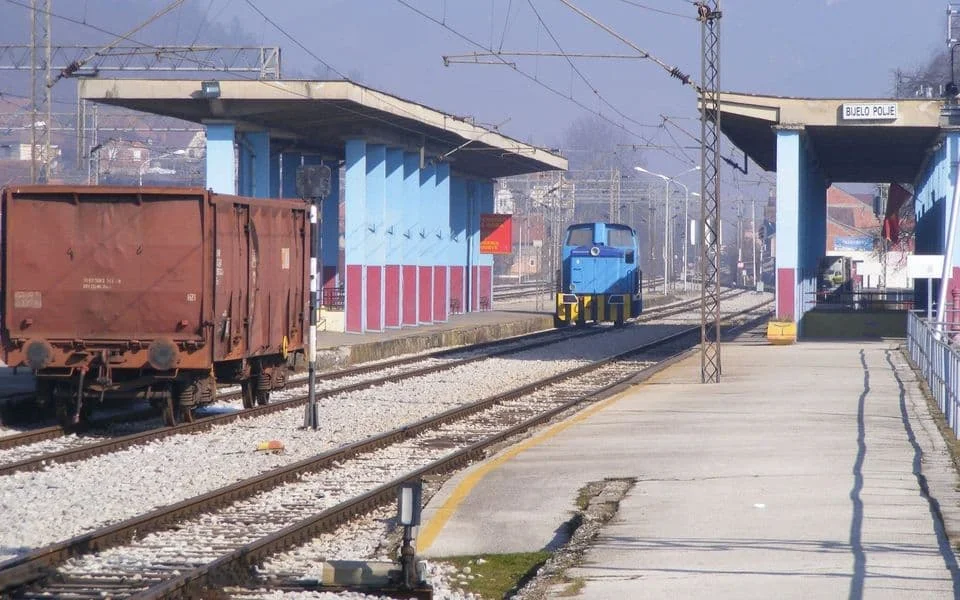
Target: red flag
x=891, y=221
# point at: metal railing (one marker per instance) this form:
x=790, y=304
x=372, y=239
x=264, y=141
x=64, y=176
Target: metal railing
x=938, y=362
x=865, y=300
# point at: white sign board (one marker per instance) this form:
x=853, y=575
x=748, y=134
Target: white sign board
x=925, y=266
x=869, y=111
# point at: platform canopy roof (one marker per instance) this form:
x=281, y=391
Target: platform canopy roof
x=854, y=140
x=320, y=115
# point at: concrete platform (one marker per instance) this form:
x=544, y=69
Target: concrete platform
x=802, y=475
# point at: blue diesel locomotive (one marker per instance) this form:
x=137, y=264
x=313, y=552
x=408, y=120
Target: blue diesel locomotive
x=600, y=280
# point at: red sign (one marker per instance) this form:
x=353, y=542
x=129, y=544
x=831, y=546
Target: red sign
x=496, y=234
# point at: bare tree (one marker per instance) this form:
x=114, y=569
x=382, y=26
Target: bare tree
x=590, y=143
x=925, y=80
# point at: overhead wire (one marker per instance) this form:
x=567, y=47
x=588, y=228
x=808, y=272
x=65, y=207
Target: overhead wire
x=657, y=10
x=180, y=55
x=506, y=23
x=577, y=70
x=129, y=38
x=295, y=40
x=520, y=71
x=289, y=36
x=672, y=71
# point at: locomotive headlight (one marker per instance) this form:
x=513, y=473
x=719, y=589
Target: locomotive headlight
x=39, y=354
x=163, y=354
x=594, y=251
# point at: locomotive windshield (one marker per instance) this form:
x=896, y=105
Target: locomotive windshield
x=619, y=237
x=580, y=235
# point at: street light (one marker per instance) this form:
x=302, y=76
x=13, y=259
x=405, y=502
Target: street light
x=666, y=216
x=687, y=237
x=146, y=162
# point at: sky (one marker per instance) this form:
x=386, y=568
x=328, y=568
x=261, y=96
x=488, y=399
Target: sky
x=815, y=48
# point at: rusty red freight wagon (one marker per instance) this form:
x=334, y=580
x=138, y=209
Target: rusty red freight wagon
x=151, y=293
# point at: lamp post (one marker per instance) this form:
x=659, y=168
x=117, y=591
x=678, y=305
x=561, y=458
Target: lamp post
x=146, y=162
x=666, y=216
x=687, y=238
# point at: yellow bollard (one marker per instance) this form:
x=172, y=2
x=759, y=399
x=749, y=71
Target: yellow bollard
x=781, y=333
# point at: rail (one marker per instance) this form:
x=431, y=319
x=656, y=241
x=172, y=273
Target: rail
x=938, y=363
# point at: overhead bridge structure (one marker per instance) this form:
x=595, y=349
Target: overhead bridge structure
x=814, y=142
x=406, y=214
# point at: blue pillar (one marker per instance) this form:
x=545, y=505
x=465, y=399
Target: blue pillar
x=801, y=225
x=355, y=198
x=330, y=230
x=221, y=164
x=375, y=241
x=457, y=259
x=392, y=278
x=254, y=172
x=289, y=163
x=440, y=239
x=410, y=237
x=473, y=244
x=425, y=234
x=788, y=224
x=276, y=189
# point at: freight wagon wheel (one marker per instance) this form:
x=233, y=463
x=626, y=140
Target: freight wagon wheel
x=247, y=393
x=175, y=413
x=264, y=383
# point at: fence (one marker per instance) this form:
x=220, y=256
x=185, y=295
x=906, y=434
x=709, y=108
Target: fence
x=332, y=298
x=939, y=364
x=865, y=300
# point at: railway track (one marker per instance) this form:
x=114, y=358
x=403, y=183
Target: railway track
x=80, y=448
x=100, y=436
x=188, y=553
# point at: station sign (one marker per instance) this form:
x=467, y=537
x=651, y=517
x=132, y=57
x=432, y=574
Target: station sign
x=925, y=266
x=496, y=233
x=869, y=111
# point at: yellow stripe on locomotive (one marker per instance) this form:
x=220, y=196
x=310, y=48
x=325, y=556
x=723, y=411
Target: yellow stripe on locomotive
x=596, y=308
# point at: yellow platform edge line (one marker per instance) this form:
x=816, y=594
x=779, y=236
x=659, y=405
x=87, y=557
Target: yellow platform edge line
x=431, y=530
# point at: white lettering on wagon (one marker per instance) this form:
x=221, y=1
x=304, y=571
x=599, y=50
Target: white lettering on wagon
x=100, y=283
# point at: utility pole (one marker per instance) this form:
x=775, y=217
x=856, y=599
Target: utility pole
x=739, y=240
x=40, y=90
x=708, y=13
x=884, y=190
x=753, y=245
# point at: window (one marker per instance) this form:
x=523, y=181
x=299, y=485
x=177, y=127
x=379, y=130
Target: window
x=136, y=154
x=619, y=237
x=580, y=235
